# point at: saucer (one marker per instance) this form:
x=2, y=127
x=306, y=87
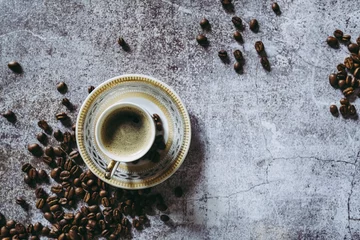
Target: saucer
x=156, y=97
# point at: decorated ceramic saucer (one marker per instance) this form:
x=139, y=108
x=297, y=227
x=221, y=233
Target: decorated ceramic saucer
x=156, y=97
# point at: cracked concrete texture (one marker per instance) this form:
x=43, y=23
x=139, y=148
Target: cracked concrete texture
x=267, y=160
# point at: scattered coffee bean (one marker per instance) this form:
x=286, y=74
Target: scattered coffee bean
x=334, y=110
x=355, y=58
x=66, y=102
x=202, y=40
x=342, y=84
x=265, y=63
x=55, y=173
x=90, y=89
x=352, y=110
x=27, y=180
x=353, y=48
x=40, y=203
x=64, y=175
x=226, y=2
x=38, y=227
x=49, y=151
x=357, y=72
x=10, y=116
x=346, y=38
x=40, y=193
x=237, y=22
x=26, y=167
x=61, y=116
x=254, y=25
x=15, y=67
x=164, y=218
x=121, y=42
x=57, y=189
x=223, y=55
x=58, y=135
x=338, y=34
x=348, y=91
x=259, y=47
x=332, y=42
x=238, y=37
x=61, y=87
x=43, y=176
x=44, y=126
x=33, y=174
x=20, y=201
x=178, y=192
x=341, y=68
x=275, y=7
x=238, y=67
x=42, y=138
x=204, y=23
x=238, y=56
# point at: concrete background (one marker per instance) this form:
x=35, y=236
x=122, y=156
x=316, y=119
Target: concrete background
x=267, y=160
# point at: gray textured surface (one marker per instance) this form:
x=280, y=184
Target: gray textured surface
x=267, y=161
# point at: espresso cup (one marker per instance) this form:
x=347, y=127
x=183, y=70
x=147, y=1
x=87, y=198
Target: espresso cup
x=124, y=132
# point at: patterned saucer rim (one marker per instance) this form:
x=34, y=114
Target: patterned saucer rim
x=176, y=100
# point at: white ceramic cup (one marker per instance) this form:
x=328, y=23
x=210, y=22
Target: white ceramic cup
x=116, y=159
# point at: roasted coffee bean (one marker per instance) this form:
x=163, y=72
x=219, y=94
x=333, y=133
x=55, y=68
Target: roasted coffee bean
x=69, y=193
x=91, y=225
x=42, y=175
x=222, y=55
x=156, y=117
x=62, y=87
x=344, y=101
x=48, y=216
x=63, y=201
x=333, y=80
x=238, y=67
x=52, y=200
x=69, y=216
x=352, y=110
x=35, y=149
x=68, y=164
x=45, y=231
x=87, y=197
x=66, y=228
x=90, y=182
x=58, y=152
x=178, y=192
x=105, y=202
x=259, y=47
x=334, y=110
x=354, y=83
x=14, y=232
x=55, y=173
x=225, y=2
x=20, y=228
x=136, y=224
x=164, y=218
x=73, y=235
x=77, y=182
x=341, y=68
x=159, y=126
x=30, y=229
x=265, y=63
x=275, y=7
x=74, y=154
x=60, y=162
x=161, y=206
x=357, y=73
x=238, y=56
x=91, y=216
x=26, y=167
x=348, y=80
x=64, y=175
x=204, y=23
x=38, y=227
x=44, y=126
x=346, y=38
x=355, y=58
x=49, y=151
x=27, y=179
x=121, y=42
x=90, y=89
x=65, y=184
x=103, y=193
x=254, y=25
x=61, y=116
x=75, y=170
x=93, y=208
x=94, y=196
x=66, y=102
x=202, y=40
x=20, y=201
x=40, y=193
x=85, y=187
x=99, y=216
x=348, y=91
x=10, y=116
x=238, y=37
x=237, y=22
x=67, y=137
x=57, y=189
x=15, y=67
x=332, y=42
x=55, y=208
x=58, y=135
x=42, y=138
x=353, y=48
x=4, y=232
x=341, y=75
x=34, y=237
x=338, y=34
x=342, y=84
x=84, y=210
x=33, y=175
x=10, y=224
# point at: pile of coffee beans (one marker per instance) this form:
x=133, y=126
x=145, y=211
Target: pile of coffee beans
x=347, y=76
x=102, y=210
x=239, y=26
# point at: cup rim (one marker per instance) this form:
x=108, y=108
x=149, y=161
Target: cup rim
x=106, y=113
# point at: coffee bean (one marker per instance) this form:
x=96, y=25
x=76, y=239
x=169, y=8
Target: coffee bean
x=38, y=227
x=222, y=55
x=254, y=25
x=332, y=42
x=352, y=110
x=62, y=87
x=68, y=164
x=348, y=91
x=57, y=189
x=63, y=201
x=49, y=151
x=42, y=175
x=105, y=202
x=353, y=48
x=225, y=2
x=75, y=171
x=338, y=34
x=26, y=167
x=275, y=7
x=357, y=73
x=15, y=67
x=20, y=228
x=238, y=67
x=45, y=231
x=33, y=175
x=91, y=216
x=178, y=192
x=10, y=116
x=58, y=152
x=67, y=137
x=52, y=200
x=30, y=229
x=69, y=216
x=20, y=201
x=34, y=237
x=35, y=149
x=66, y=102
x=73, y=235
x=40, y=203
x=40, y=193
x=259, y=47
x=348, y=80
x=87, y=197
x=202, y=40
x=55, y=208
x=238, y=56
x=265, y=63
x=237, y=22
x=342, y=84
x=341, y=68
x=77, y=182
x=69, y=193
x=44, y=126
x=164, y=218
x=55, y=173
x=204, y=23
x=74, y=154
x=28, y=180
x=121, y=42
x=64, y=175
x=333, y=80
x=355, y=58
x=58, y=135
x=346, y=38
x=238, y=37
x=334, y=110
x=61, y=116
x=136, y=224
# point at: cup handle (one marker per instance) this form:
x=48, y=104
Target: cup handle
x=110, y=169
